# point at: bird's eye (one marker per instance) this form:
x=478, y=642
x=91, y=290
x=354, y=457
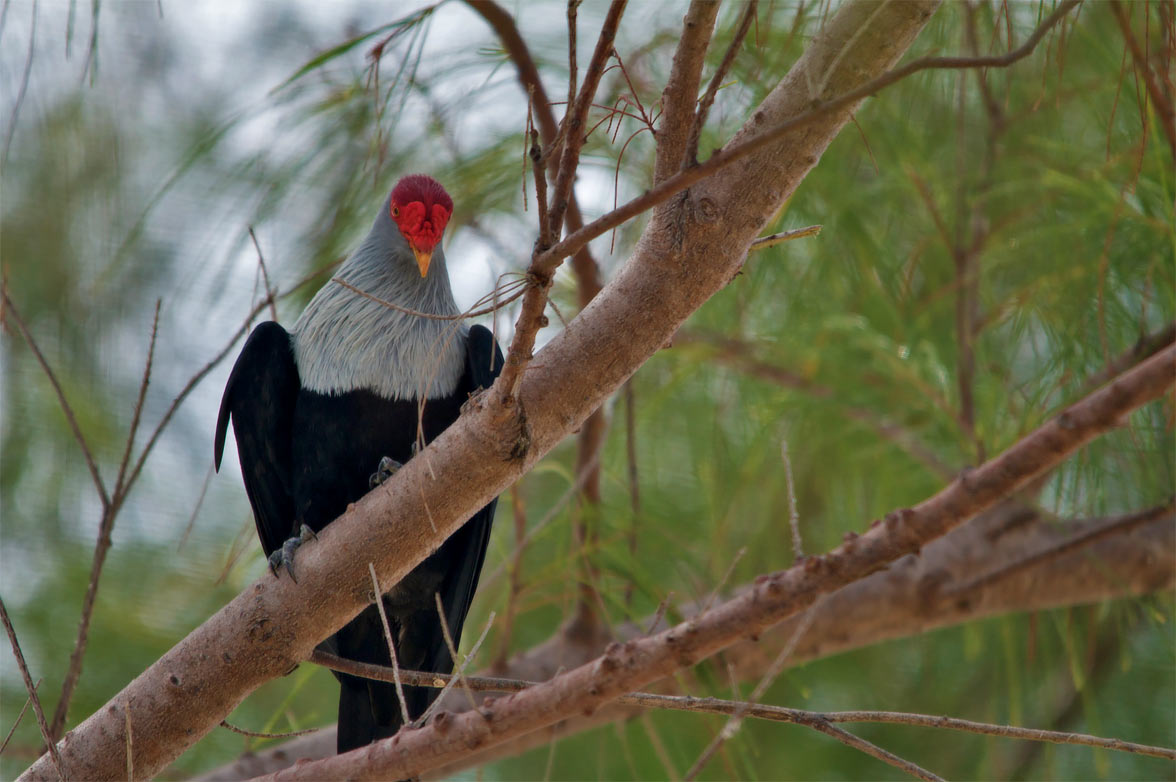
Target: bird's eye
x=395, y=211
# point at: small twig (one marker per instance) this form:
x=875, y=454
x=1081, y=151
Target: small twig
x=195, y=510
x=19, y=717
x=391, y=646
x=24, y=85
x=130, y=741
x=659, y=613
x=519, y=512
x=459, y=673
x=258, y=735
x=138, y=414
x=269, y=290
x=722, y=581
x=32, y=690
x=452, y=647
x=764, y=242
x=858, y=743
x=793, y=514
x=522, y=286
x=708, y=98
x=10, y=311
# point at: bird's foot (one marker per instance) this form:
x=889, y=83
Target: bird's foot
x=386, y=469
x=284, y=557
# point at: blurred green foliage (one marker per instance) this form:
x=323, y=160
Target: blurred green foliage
x=144, y=186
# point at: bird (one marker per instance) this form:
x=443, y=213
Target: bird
x=324, y=412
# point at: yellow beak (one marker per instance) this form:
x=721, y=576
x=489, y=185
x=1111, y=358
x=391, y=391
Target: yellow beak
x=422, y=259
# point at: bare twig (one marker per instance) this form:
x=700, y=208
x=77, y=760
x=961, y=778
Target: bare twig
x=764, y=242
x=138, y=414
x=716, y=82
x=379, y=600
x=519, y=512
x=520, y=287
x=130, y=741
x=459, y=672
x=32, y=690
x=10, y=311
x=269, y=289
x=793, y=513
x=19, y=717
x=258, y=735
x=858, y=743
x=24, y=85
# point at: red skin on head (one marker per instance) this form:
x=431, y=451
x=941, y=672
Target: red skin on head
x=421, y=209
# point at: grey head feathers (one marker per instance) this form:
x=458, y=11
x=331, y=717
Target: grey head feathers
x=346, y=342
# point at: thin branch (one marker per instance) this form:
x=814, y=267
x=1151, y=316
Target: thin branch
x=269, y=289
x=138, y=414
x=521, y=286
x=24, y=84
x=858, y=743
x=19, y=717
x=258, y=735
x=708, y=98
x=764, y=242
x=10, y=311
x=684, y=179
x=459, y=674
x=32, y=690
x=379, y=600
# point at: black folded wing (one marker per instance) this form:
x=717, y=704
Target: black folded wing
x=260, y=398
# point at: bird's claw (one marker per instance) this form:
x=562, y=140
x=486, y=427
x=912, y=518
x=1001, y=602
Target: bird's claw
x=386, y=469
x=284, y=557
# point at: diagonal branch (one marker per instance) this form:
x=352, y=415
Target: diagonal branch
x=681, y=92
x=716, y=82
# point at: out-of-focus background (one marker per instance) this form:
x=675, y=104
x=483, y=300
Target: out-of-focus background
x=142, y=141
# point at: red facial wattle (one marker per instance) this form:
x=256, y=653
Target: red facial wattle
x=421, y=208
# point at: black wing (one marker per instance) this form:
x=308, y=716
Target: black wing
x=260, y=397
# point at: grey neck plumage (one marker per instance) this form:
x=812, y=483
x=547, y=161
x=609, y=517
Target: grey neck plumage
x=346, y=342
